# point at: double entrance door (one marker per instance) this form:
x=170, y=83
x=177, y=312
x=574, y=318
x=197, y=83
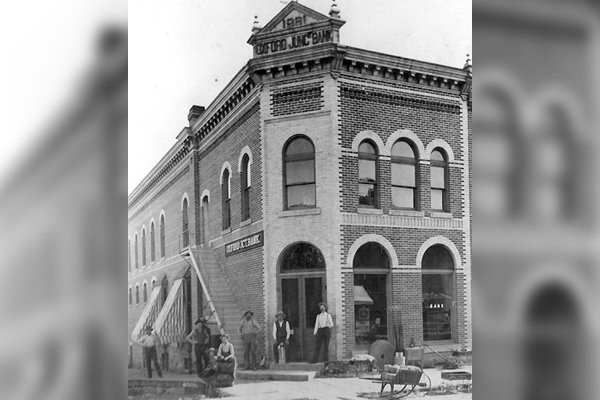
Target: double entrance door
x=299, y=298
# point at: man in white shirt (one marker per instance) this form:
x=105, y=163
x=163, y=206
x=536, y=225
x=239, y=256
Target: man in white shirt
x=322, y=333
x=281, y=335
x=149, y=342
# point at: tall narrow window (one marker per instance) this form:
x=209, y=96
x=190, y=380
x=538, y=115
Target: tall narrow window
x=439, y=181
x=152, y=245
x=128, y=255
x=135, y=242
x=367, y=175
x=404, y=176
x=438, y=293
x=245, y=187
x=299, y=173
x=145, y=292
x=137, y=294
x=225, y=199
x=185, y=228
x=162, y=236
x=143, y=247
x=130, y=296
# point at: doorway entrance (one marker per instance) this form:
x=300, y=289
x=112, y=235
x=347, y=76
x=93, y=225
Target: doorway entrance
x=302, y=285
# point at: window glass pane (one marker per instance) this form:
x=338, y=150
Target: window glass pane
x=436, y=155
x=437, y=257
x=313, y=295
x=437, y=306
x=366, y=147
x=366, y=194
x=438, y=177
x=402, y=149
x=299, y=146
x=371, y=255
x=300, y=171
x=436, y=199
x=302, y=256
x=403, y=175
x=366, y=170
x=403, y=197
x=291, y=301
x=301, y=196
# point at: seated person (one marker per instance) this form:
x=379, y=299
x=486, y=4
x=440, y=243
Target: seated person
x=211, y=366
x=225, y=354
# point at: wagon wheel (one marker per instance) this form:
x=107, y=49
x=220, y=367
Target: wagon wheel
x=424, y=386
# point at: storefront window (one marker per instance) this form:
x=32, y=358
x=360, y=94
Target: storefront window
x=438, y=293
x=371, y=264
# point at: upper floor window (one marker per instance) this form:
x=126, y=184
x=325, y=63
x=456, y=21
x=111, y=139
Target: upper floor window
x=185, y=227
x=368, y=176
x=162, y=236
x=152, y=245
x=225, y=197
x=135, y=243
x=439, y=181
x=137, y=294
x=128, y=255
x=299, y=173
x=130, y=296
x=145, y=292
x=245, y=175
x=143, y=247
x=404, y=175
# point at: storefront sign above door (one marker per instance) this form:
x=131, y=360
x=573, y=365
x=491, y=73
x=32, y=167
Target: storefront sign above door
x=245, y=243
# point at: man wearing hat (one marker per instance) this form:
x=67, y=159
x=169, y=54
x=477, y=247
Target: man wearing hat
x=149, y=342
x=248, y=329
x=200, y=338
x=322, y=333
x=281, y=335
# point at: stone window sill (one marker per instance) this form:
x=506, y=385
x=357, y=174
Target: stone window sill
x=298, y=213
x=440, y=214
x=246, y=222
x=226, y=231
x=364, y=210
x=407, y=213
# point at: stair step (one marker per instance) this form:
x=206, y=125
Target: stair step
x=297, y=366
x=268, y=375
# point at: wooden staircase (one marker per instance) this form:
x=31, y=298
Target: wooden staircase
x=226, y=312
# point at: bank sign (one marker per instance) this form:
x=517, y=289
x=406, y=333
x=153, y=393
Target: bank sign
x=295, y=41
x=245, y=243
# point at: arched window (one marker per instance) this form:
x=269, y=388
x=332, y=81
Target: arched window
x=137, y=294
x=152, y=244
x=136, y=251
x=439, y=180
x=302, y=256
x=130, y=296
x=371, y=255
x=438, y=293
x=185, y=227
x=145, y=292
x=162, y=236
x=404, y=175
x=245, y=175
x=143, y=247
x=128, y=255
x=299, y=173
x=225, y=199
x=368, y=176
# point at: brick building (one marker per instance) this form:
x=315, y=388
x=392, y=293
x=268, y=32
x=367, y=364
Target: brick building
x=321, y=172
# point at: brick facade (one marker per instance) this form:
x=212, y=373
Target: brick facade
x=332, y=98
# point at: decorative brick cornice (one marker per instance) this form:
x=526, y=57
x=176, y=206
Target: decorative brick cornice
x=401, y=221
x=368, y=94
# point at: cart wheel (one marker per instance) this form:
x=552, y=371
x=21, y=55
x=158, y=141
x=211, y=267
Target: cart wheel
x=424, y=386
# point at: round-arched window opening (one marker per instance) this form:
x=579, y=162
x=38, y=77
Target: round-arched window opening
x=302, y=257
x=438, y=294
x=371, y=255
x=437, y=257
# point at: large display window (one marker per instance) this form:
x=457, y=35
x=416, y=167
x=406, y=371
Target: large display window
x=438, y=294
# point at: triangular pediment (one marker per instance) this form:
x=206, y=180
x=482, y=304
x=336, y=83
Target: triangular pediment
x=292, y=16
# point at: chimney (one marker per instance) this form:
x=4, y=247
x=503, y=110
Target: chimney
x=194, y=114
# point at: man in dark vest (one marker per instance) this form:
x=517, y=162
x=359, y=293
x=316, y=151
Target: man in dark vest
x=281, y=335
x=200, y=338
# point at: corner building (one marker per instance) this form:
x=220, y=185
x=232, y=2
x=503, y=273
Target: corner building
x=322, y=172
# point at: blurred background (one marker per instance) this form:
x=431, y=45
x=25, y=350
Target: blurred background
x=63, y=199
